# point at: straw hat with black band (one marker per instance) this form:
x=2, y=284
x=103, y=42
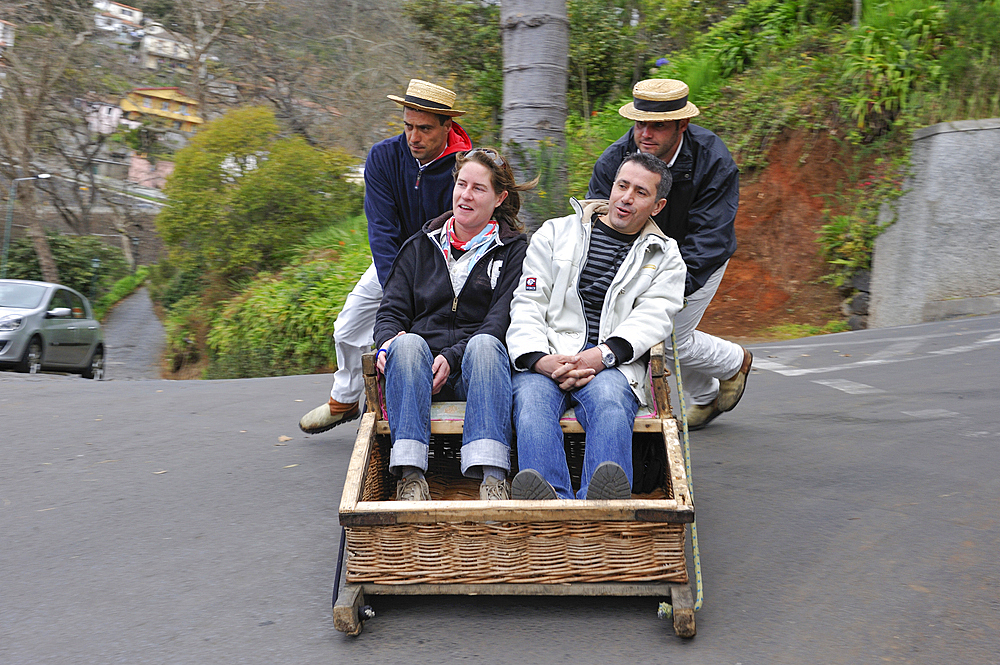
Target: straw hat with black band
x=659, y=99
x=428, y=97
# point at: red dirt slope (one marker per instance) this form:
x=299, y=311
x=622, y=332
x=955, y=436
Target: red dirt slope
x=771, y=280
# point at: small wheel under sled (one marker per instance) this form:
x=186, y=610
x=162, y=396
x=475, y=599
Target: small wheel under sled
x=350, y=611
x=683, y=604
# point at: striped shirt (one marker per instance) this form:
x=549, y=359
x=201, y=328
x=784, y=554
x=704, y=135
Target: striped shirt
x=608, y=248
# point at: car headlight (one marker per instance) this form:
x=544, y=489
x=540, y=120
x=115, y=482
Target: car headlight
x=11, y=322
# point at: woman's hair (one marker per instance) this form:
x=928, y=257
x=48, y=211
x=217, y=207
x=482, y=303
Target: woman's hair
x=502, y=179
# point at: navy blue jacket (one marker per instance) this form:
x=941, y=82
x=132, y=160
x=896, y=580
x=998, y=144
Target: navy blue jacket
x=400, y=195
x=701, y=209
x=420, y=299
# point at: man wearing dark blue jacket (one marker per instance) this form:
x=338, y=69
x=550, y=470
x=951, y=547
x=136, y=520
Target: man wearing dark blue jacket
x=700, y=215
x=408, y=181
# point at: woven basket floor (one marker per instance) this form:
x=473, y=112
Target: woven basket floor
x=446, y=483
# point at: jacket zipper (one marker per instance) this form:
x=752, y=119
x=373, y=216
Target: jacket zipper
x=454, y=303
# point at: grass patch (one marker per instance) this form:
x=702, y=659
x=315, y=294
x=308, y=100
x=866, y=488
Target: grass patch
x=120, y=290
x=787, y=331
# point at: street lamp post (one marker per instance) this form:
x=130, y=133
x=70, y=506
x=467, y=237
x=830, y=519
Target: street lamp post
x=95, y=264
x=10, y=217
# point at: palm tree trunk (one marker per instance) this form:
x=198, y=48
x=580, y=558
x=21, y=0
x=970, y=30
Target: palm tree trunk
x=536, y=60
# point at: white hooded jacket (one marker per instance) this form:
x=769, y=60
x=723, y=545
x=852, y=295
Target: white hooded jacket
x=547, y=315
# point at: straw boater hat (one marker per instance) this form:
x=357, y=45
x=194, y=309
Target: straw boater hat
x=659, y=99
x=428, y=97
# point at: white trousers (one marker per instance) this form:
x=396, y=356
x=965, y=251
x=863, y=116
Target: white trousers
x=704, y=358
x=353, y=336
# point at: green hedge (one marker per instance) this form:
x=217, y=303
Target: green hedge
x=74, y=259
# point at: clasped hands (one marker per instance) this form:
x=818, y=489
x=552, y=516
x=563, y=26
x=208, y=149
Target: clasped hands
x=571, y=371
x=441, y=367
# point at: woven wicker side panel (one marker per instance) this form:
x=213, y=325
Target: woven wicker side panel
x=379, y=484
x=531, y=553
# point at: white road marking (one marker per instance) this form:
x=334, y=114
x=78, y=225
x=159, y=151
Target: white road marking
x=849, y=387
x=931, y=413
x=900, y=350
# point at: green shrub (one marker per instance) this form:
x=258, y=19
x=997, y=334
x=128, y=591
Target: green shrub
x=74, y=257
x=243, y=194
x=167, y=284
x=283, y=323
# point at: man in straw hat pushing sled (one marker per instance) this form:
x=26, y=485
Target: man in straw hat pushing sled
x=700, y=215
x=408, y=180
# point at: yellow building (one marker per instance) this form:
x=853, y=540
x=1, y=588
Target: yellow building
x=177, y=110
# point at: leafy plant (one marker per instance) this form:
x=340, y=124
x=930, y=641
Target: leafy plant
x=848, y=240
x=890, y=62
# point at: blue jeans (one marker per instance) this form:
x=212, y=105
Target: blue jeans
x=606, y=409
x=484, y=383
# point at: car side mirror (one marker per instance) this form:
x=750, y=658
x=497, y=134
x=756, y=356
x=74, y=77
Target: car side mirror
x=58, y=313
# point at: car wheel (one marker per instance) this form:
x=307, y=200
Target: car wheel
x=31, y=362
x=95, y=368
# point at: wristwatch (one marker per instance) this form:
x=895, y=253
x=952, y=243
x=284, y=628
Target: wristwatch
x=607, y=356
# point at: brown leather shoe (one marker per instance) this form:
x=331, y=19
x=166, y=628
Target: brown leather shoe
x=328, y=416
x=731, y=390
x=700, y=416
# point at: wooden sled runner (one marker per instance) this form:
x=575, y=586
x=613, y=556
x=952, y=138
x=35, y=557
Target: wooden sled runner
x=457, y=544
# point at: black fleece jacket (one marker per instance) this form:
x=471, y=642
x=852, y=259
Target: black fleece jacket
x=419, y=298
x=701, y=208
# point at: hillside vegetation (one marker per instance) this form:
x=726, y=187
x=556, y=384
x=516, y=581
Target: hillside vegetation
x=802, y=98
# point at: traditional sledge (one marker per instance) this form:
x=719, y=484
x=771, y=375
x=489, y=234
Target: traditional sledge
x=458, y=545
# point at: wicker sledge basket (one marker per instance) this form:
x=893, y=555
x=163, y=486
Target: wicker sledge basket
x=457, y=544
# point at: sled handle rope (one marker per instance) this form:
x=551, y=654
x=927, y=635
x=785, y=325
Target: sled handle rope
x=666, y=610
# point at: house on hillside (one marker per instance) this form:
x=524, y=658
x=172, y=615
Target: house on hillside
x=103, y=115
x=116, y=17
x=162, y=49
x=6, y=35
x=6, y=41
x=146, y=173
x=169, y=105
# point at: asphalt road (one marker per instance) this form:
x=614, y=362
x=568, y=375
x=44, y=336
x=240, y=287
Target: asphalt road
x=848, y=513
x=134, y=339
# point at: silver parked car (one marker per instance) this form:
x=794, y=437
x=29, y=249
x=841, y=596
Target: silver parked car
x=48, y=326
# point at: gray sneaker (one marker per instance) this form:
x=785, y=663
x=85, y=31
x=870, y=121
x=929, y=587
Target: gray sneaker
x=494, y=489
x=412, y=489
x=609, y=483
x=528, y=485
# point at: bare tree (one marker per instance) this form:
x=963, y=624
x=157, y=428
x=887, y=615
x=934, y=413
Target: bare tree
x=49, y=40
x=203, y=22
x=326, y=67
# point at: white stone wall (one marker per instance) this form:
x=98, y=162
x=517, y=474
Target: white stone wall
x=941, y=258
